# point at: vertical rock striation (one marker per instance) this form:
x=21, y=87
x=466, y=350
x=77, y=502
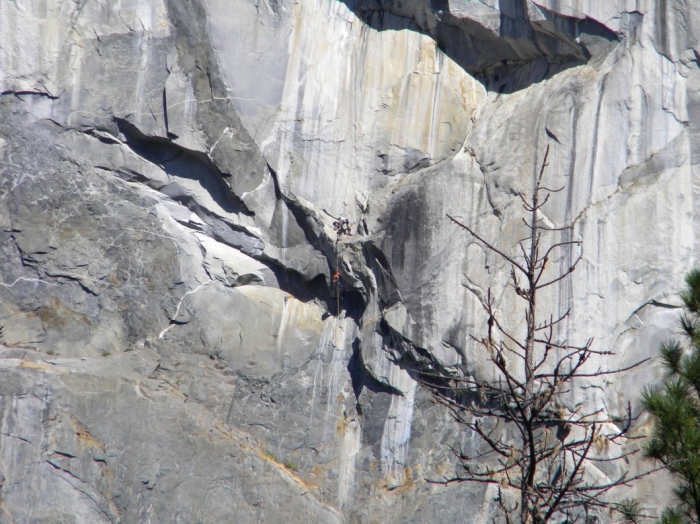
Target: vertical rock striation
x=173, y=347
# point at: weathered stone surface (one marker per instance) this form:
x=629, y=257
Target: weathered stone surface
x=106, y=443
x=172, y=348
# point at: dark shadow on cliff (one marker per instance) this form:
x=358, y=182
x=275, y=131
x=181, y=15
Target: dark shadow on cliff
x=182, y=163
x=504, y=50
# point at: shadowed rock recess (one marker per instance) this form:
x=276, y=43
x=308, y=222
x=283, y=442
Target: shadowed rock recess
x=172, y=347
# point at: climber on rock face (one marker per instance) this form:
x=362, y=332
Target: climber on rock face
x=342, y=226
x=337, y=281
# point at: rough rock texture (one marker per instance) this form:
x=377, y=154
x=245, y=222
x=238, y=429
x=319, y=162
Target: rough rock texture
x=171, y=347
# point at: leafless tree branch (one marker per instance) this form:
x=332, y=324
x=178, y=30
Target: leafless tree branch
x=531, y=447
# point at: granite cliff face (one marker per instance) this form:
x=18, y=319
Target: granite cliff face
x=170, y=171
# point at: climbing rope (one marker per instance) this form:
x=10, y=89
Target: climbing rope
x=337, y=272
x=342, y=227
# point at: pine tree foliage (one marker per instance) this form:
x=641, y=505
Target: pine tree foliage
x=675, y=408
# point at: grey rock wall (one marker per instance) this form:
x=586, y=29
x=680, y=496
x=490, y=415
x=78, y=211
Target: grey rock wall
x=172, y=348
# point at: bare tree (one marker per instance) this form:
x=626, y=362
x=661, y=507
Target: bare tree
x=537, y=451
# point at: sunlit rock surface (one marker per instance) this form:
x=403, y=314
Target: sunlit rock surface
x=172, y=347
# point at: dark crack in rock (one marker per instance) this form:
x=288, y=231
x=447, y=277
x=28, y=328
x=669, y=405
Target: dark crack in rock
x=173, y=346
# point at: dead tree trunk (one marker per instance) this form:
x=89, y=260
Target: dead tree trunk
x=533, y=451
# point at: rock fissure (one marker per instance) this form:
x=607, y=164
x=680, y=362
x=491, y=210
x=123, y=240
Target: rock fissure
x=20, y=93
x=102, y=505
x=178, y=196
